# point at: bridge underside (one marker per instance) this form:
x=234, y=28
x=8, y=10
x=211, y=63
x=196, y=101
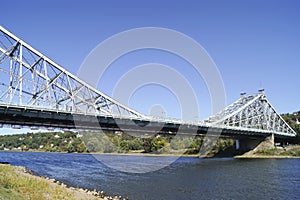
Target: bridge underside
x=19, y=117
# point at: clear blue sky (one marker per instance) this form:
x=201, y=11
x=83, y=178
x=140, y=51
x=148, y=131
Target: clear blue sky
x=254, y=43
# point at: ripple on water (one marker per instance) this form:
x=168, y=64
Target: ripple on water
x=187, y=178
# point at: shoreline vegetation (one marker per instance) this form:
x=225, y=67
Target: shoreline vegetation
x=111, y=142
x=292, y=151
x=124, y=144
x=20, y=183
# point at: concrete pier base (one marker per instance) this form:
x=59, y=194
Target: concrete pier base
x=256, y=144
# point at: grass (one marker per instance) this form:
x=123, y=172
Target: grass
x=16, y=185
x=9, y=194
x=290, y=151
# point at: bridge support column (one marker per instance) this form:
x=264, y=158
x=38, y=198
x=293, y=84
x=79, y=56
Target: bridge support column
x=237, y=144
x=267, y=143
x=255, y=144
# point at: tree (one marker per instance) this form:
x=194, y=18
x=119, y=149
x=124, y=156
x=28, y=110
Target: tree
x=80, y=148
x=147, y=145
x=71, y=148
x=157, y=143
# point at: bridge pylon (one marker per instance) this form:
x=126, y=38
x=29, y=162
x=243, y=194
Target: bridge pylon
x=252, y=112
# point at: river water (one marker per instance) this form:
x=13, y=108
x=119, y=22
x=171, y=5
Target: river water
x=187, y=178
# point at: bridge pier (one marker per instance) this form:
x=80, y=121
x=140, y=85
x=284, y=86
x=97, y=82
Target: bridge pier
x=255, y=144
x=237, y=144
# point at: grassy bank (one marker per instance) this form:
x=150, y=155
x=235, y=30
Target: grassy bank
x=288, y=152
x=17, y=184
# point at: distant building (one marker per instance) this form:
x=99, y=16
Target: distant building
x=295, y=121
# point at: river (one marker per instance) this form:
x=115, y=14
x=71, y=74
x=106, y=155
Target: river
x=187, y=178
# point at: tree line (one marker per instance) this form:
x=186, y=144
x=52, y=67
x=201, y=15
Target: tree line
x=43, y=141
x=293, y=120
x=105, y=143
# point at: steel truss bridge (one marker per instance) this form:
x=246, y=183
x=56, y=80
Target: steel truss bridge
x=37, y=92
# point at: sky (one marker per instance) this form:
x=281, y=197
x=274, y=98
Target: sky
x=254, y=44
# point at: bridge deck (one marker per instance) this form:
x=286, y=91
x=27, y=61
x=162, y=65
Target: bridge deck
x=36, y=118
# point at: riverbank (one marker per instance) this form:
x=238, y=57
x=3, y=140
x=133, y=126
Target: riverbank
x=250, y=154
x=19, y=183
x=137, y=153
x=148, y=154
x=265, y=156
x=278, y=152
